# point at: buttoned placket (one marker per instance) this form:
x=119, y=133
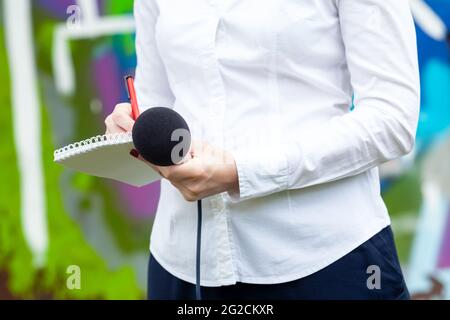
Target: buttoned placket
x=216, y=121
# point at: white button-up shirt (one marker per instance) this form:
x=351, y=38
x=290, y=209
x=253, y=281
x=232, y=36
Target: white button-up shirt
x=273, y=82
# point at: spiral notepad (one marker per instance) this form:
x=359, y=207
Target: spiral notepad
x=107, y=156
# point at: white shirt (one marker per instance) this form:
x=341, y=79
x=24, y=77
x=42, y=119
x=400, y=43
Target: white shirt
x=272, y=81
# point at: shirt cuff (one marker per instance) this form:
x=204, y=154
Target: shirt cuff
x=260, y=172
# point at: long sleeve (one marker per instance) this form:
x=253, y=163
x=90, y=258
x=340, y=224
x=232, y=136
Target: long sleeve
x=380, y=48
x=152, y=87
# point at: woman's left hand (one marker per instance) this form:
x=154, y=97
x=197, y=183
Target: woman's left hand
x=209, y=171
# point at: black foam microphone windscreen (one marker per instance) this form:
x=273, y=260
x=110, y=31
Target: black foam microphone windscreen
x=161, y=136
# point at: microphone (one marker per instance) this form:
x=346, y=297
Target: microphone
x=156, y=136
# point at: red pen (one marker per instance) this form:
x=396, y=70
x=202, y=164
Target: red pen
x=129, y=81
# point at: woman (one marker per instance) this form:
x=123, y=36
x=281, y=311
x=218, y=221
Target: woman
x=287, y=170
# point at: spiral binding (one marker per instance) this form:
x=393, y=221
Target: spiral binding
x=91, y=144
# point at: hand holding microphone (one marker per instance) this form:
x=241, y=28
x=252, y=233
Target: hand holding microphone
x=162, y=138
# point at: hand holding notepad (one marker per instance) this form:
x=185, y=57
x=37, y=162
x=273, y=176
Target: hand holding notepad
x=108, y=155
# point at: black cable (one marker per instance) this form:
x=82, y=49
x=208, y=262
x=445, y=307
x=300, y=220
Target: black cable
x=198, y=293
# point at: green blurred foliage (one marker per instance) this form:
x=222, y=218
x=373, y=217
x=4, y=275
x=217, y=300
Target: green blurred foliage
x=14, y=254
x=67, y=244
x=403, y=200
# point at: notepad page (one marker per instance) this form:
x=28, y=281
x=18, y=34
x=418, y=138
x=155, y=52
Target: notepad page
x=109, y=157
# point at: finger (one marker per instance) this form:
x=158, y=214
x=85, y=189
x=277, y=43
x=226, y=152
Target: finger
x=186, y=172
x=166, y=172
x=125, y=107
x=196, y=148
x=175, y=173
x=123, y=120
x=185, y=191
x=112, y=128
x=156, y=168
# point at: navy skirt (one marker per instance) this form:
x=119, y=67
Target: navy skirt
x=371, y=271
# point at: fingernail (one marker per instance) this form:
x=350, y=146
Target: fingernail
x=134, y=153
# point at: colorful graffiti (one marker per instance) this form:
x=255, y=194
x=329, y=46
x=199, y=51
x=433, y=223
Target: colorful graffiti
x=429, y=262
x=58, y=83
x=52, y=218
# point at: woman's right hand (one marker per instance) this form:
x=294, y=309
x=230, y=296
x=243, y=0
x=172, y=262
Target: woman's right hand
x=120, y=120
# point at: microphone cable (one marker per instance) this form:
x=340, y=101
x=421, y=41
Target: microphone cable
x=198, y=293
